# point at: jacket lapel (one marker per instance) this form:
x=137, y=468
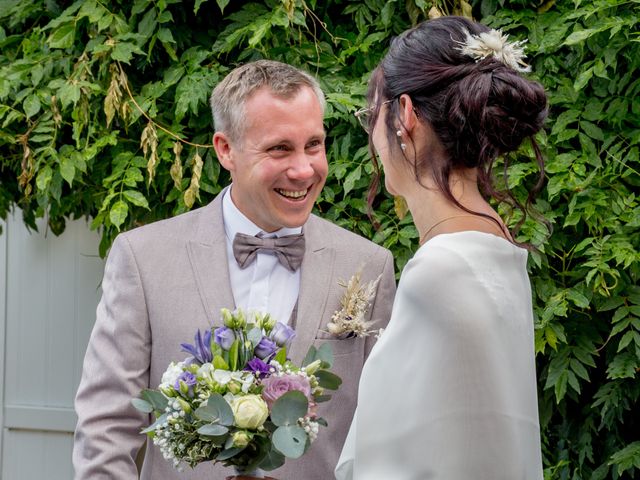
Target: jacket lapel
x=315, y=282
x=208, y=257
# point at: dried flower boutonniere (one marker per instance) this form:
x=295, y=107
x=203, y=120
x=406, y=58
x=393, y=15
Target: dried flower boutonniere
x=349, y=320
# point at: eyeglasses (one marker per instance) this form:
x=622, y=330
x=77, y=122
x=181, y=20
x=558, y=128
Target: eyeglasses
x=364, y=115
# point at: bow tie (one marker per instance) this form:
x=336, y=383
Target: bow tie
x=289, y=249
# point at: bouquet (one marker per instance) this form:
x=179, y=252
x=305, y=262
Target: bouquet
x=237, y=399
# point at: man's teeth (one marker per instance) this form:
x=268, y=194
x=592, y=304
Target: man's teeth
x=292, y=194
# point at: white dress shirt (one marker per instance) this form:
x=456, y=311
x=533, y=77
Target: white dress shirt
x=265, y=285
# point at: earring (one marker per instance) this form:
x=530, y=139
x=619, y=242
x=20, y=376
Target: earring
x=403, y=146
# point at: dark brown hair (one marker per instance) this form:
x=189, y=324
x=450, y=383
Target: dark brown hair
x=477, y=109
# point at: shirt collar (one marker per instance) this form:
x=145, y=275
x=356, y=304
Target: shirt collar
x=236, y=222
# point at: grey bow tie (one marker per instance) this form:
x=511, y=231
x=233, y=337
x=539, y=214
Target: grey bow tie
x=289, y=249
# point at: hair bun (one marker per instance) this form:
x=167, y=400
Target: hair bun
x=491, y=111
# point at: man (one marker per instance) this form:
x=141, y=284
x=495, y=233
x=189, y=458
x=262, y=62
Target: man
x=165, y=280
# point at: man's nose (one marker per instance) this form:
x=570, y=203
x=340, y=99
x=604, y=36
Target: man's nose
x=301, y=167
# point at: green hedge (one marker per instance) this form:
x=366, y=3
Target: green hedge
x=104, y=114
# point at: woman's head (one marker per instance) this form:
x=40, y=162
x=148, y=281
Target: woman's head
x=477, y=108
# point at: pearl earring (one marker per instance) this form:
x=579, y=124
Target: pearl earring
x=403, y=146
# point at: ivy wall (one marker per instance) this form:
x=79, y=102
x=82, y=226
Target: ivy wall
x=104, y=114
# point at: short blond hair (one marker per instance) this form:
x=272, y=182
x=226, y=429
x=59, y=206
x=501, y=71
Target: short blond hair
x=230, y=95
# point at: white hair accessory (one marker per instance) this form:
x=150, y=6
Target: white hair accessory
x=494, y=43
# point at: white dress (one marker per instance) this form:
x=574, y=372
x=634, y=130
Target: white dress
x=449, y=390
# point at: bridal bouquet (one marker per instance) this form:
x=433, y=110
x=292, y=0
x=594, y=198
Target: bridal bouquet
x=237, y=399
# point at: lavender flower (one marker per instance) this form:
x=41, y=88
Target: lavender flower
x=265, y=348
x=185, y=383
x=201, y=350
x=224, y=337
x=258, y=367
x=282, y=334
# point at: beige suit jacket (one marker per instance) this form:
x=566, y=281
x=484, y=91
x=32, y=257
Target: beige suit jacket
x=167, y=279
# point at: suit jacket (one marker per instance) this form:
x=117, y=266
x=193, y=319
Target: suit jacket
x=167, y=279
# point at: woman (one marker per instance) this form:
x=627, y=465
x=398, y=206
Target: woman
x=449, y=391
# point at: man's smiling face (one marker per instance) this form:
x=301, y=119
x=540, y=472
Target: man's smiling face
x=279, y=166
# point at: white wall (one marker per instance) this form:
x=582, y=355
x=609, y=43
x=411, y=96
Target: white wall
x=49, y=289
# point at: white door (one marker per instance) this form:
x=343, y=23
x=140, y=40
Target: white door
x=49, y=290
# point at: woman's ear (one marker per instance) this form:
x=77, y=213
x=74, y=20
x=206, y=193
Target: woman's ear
x=408, y=117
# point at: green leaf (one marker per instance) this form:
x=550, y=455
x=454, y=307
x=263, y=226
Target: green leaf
x=136, y=198
x=583, y=79
x=142, y=405
x=623, y=366
x=289, y=408
x=31, y=105
x=325, y=353
x=228, y=453
x=219, y=363
x=213, y=430
x=159, y=421
x=118, y=213
x=328, y=380
x=165, y=35
x=290, y=440
x=67, y=169
x=281, y=356
x=274, y=459
x=123, y=52
x=157, y=400
x=222, y=4
x=626, y=459
x=44, y=178
x=233, y=355
x=217, y=410
x=311, y=356
x=351, y=179
x=63, y=37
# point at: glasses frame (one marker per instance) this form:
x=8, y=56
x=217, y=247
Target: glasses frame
x=364, y=114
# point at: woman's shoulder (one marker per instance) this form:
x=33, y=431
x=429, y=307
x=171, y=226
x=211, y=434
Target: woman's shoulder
x=447, y=257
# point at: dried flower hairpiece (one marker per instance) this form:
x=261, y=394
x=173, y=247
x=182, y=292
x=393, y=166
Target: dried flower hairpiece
x=349, y=320
x=494, y=43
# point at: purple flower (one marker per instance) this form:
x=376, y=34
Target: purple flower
x=201, y=350
x=282, y=334
x=265, y=348
x=188, y=378
x=258, y=367
x=224, y=337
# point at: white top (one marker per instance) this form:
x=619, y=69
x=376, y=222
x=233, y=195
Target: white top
x=265, y=285
x=449, y=390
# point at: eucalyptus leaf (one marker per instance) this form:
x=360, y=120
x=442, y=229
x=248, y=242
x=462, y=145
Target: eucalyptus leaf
x=290, y=440
x=289, y=408
x=155, y=398
x=328, y=380
x=213, y=429
x=216, y=410
x=142, y=405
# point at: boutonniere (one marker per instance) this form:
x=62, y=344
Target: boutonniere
x=350, y=321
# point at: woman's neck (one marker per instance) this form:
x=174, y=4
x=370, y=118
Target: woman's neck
x=434, y=213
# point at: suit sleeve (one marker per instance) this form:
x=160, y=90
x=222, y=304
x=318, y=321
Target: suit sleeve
x=116, y=368
x=383, y=302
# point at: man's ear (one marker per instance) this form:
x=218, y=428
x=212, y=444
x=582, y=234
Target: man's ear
x=223, y=148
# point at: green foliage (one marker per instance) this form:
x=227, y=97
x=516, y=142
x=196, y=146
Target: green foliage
x=586, y=296
x=103, y=113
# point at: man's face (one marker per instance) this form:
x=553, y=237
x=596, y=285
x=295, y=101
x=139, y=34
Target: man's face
x=279, y=165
